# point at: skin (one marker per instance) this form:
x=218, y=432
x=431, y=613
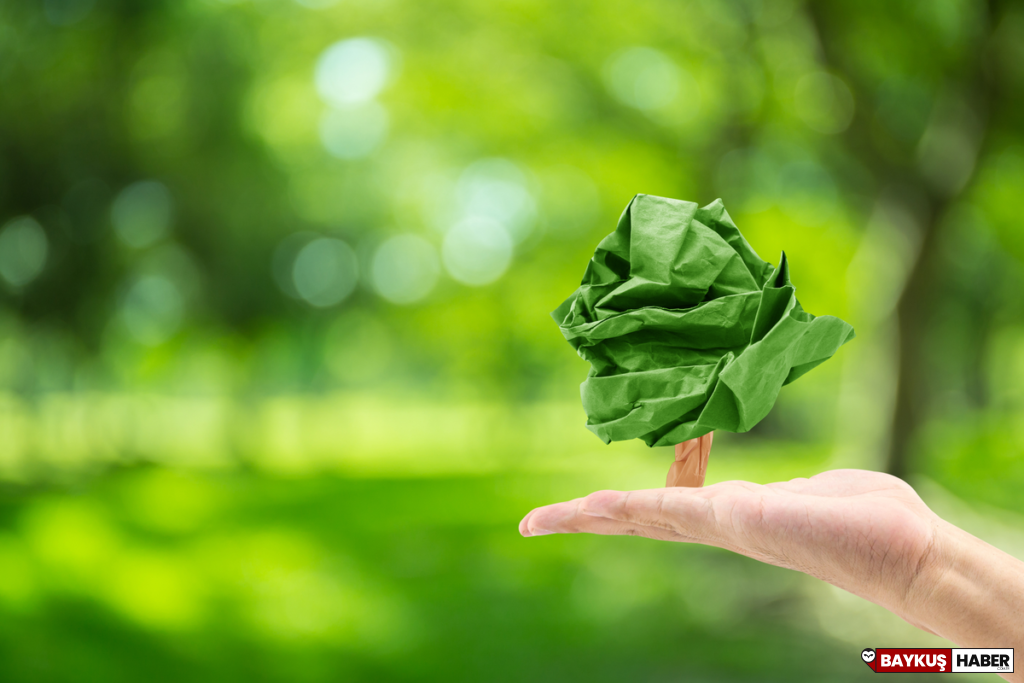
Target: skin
x=866, y=532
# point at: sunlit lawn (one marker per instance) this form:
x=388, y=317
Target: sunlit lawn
x=297, y=566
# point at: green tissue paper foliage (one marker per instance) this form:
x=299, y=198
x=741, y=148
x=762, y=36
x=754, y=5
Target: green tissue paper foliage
x=686, y=329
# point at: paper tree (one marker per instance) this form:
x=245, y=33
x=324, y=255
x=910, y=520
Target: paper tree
x=687, y=331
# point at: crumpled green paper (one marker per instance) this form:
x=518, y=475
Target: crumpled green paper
x=686, y=329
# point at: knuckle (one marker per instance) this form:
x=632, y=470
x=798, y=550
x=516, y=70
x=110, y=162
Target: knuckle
x=597, y=501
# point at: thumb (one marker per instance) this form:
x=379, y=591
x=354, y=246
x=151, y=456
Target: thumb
x=678, y=514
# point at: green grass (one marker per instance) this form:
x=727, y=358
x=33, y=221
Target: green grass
x=153, y=574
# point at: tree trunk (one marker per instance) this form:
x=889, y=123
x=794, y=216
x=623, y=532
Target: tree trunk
x=912, y=313
x=918, y=300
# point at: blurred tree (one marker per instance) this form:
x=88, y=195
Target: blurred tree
x=300, y=421
x=805, y=117
x=932, y=85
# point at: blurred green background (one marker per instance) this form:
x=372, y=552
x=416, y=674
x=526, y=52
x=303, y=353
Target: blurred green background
x=277, y=376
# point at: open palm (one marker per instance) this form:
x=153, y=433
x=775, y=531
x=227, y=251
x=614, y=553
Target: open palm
x=866, y=532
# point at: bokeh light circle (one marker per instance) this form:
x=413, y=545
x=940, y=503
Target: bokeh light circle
x=153, y=309
x=325, y=272
x=354, y=132
x=405, y=269
x=644, y=78
x=23, y=251
x=496, y=189
x=353, y=71
x=142, y=213
x=282, y=263
x=824, y=102
x=477, y=251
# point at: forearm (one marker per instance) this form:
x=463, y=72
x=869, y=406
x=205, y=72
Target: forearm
x=972, y=594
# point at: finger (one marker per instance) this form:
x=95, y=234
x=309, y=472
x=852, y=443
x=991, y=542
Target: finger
x=550, y=519
x=687, y=512
x=567, y=518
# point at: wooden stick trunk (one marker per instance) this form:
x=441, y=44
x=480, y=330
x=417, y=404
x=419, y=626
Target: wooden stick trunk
x=691, y=463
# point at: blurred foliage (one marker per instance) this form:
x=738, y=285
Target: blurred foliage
x=277, y=377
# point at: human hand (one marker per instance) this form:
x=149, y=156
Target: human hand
x=865, y=532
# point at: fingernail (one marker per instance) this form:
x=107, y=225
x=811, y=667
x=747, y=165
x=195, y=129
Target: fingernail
x=538, y=532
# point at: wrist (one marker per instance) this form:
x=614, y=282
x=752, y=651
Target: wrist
x=968, y=592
